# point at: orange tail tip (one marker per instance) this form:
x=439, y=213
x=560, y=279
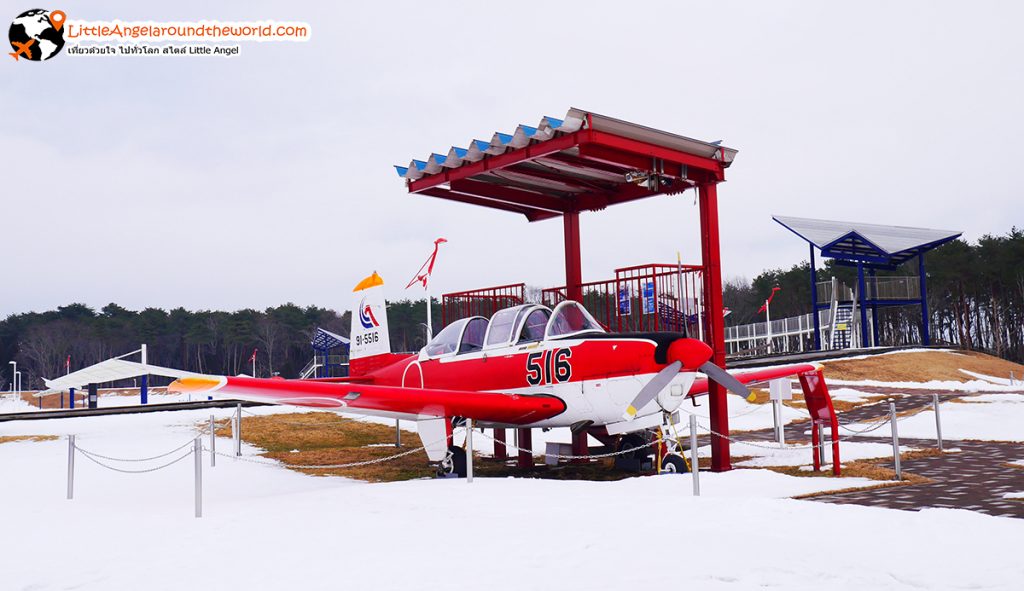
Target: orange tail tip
x=194, y=384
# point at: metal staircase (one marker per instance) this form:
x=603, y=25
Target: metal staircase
x=311, y=367
x=841, y=336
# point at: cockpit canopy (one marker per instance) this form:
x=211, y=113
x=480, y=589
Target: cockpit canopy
x=526, y=323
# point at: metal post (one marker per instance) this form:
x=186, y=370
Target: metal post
x=694, y=462
x=398, y=433
x=469, y=450
x=814, y=303
x=861, y=298
x=895, y=440
x=237, y=431
x=197, y=451
x=775, y=417
x=144, y=389
x=923, y=287
x=938, y=422
x=71, y=467
x=821, y=443
x=213, y=443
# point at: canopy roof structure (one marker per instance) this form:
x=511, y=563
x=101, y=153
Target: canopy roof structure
x=110, y=370
x=586, y=162
x=325, y=340
x=580, y=162
x=877, y=244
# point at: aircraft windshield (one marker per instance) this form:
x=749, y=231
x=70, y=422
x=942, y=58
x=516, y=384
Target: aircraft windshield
x=446, y=341
x=570, y=318
x=502, y=324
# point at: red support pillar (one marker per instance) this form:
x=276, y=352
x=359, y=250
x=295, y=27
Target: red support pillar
x=525, y=448
x=579, y=446
x=574, y=291
x=715, y=323
x=500, y=451
x=573, y=266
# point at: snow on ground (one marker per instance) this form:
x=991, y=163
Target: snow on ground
x=10, y=403
x=266, y=527
x=995, y=380
x=950, y=385
x=992, y=417
x=326, y=533
x=850, y=395
x=1014, y=495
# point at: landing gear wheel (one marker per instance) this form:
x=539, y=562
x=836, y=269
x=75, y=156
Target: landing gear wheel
x=673, y=464
x=637, y=459
x=636, y=443
x=453, y=463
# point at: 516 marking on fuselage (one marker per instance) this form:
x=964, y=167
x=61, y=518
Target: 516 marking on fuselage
x=548, y=367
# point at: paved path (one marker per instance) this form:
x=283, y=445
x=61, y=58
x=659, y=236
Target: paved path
x=976, y=478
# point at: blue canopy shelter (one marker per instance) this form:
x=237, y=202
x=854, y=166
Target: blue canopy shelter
x=870, y=247
x=324, y=341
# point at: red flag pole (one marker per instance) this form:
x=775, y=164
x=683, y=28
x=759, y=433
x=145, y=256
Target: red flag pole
x=422, y=276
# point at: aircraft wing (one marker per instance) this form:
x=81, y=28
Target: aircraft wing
x=496, y=407
x=754, y=376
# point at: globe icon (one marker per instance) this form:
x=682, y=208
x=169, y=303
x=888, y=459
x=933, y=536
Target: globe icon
x=34, y=37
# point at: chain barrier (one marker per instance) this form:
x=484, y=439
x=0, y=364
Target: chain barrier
x=571, y=457
x=112, y=459
x=143, y=471
x=407, y=452
x=788, y=446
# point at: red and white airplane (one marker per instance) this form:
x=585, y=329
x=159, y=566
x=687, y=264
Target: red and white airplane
x=527, y=366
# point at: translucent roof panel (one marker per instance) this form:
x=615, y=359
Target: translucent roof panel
x=877, y=243
x=325, y=340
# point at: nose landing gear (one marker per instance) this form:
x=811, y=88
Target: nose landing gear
x=454, y=463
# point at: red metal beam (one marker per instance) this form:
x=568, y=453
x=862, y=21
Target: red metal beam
x=637, y=154
x=600, y=168
x=500, y=451
x=639, y=148
x=549, y=173
x=525, y=448
x=512, y=196
x=573, y=264
x=715, y=323
x=606, y=155
x=500, y=161
x=531, y=214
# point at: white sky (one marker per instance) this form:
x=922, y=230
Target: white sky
x=266, y=178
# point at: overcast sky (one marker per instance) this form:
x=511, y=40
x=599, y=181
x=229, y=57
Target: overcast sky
x=267, y=178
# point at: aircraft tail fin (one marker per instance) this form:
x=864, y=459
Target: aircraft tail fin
x=370, y=342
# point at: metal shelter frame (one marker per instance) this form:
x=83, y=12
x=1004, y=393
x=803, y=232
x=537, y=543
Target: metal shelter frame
x=323, y=342
x=587, y=162
x=871, y=248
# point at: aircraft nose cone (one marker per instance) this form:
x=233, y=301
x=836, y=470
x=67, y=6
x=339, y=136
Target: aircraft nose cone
x=690, y=352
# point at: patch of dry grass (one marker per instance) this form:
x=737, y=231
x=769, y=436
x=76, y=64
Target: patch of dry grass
x=920, y=366
x=323, y=438
x=13, y=438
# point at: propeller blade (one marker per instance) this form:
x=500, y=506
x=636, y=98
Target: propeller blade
x=652, y=389
x=727, y=380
